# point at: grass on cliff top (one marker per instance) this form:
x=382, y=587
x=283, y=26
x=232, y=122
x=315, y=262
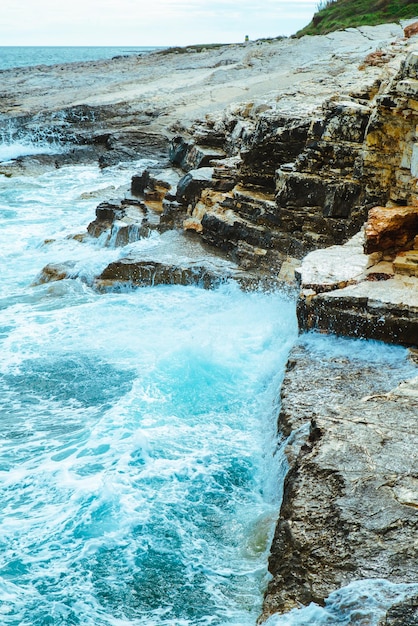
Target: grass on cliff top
x=339, y=14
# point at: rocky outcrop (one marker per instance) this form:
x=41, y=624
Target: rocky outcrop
x=287, y=184
x=350, y=503
x=345, y=291
x=291, y=185
x=284, y=180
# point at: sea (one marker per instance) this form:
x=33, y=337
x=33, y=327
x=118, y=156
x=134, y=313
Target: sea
x=140, y=468
x=27, y=56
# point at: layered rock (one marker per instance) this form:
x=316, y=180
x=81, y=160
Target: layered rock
x=347, y=292
x=269, y=188
x=287, y=185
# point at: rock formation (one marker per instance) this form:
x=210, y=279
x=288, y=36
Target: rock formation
x=283, y=151
x=350, y=501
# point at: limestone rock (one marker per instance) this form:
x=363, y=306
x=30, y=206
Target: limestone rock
x=411, y=30
x=334, y=267
x=54, y=272
x=348, y=510
x=391, y=228
x=407, y=263
x=383, y=310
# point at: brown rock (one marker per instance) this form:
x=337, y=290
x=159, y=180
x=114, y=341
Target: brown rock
x=54, y=272
x=407, y=263
x=411, y=30
x=375, y=59
x=391, y=228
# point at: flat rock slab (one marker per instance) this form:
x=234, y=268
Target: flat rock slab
x=170, y=259
x=142, y=273
x=336, y=266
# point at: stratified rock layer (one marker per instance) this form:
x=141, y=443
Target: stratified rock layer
x=269, y=165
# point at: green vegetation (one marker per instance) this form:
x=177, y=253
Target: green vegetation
x=339, y=14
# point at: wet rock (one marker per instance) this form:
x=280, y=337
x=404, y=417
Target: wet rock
x=349, y=508
x=404, y=613
x=124, y=221
x=347, y=292
x=54, y=272
x=172, y=258
x=383, y=310
x=150, y=273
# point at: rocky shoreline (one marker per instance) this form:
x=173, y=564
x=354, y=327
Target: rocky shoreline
x=269, y=158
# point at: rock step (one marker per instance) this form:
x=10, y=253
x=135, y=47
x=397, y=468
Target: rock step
x=382, y=310
x=407, y=263
x=226, y=229
x=142, y=273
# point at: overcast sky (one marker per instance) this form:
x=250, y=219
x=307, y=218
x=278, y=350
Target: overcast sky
x=147, y=22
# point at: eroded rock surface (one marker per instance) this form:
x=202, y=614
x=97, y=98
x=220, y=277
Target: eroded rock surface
x=277, y=149
x=350, y=507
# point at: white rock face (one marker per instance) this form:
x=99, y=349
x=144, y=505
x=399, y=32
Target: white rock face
x=323, y=270
x=293, y=74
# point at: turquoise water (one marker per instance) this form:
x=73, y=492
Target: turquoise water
x=26, y=56
x=137, y=483
x=140, y=471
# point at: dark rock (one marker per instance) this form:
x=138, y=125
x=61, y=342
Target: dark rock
x=190, y=156
x=150, y=273
x=404, y=613
x=177, y=151
x=274, y=141
x=192, y=184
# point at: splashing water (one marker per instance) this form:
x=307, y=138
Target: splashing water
x=136, y=433
x=362, y=603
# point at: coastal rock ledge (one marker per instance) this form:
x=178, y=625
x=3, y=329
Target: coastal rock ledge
x=350, y=507
x=271, y=173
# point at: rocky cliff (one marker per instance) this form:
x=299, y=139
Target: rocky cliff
x=292, y=163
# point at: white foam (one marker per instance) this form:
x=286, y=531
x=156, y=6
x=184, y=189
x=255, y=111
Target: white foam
x=134, y=421
x=363, y=601
x=9, y=152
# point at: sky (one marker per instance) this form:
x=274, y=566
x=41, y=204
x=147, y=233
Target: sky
x=148, y=22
